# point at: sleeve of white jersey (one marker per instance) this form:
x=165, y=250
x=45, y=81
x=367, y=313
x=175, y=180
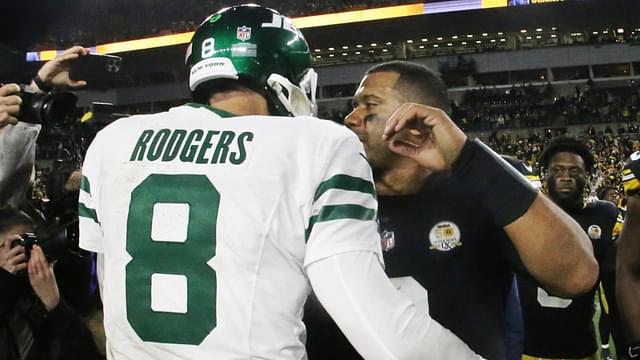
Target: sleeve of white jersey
x=88, y=201
x=344, y=208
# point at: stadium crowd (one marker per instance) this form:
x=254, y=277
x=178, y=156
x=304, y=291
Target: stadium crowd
x=146, y=18
x=523, y=106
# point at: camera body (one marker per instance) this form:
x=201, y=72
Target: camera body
x=46, y=108
x=27, y=241
x=54, y=243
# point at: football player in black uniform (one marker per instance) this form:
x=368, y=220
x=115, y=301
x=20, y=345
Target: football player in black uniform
x=451, y=227
x=628, y=264
x=557, y=327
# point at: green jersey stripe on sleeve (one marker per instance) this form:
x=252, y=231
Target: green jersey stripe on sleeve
x=345, y=182
x=84, y=185
x=338, y=212
x=87, y=212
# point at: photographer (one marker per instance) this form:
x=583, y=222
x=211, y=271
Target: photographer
x=18, y=139
x=40, y=326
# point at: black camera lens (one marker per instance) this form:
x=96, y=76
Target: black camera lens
x=48, y=108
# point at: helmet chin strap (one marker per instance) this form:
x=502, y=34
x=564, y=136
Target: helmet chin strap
x=293, y=98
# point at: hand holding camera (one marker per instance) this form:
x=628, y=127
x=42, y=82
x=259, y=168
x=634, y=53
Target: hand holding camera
x=9, y=104
x=42, y=278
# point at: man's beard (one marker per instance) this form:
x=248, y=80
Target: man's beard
x=567, y=201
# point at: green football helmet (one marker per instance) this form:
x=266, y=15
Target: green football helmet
x=258, y=45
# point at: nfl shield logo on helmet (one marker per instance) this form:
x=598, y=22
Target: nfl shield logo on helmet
x=243, y=33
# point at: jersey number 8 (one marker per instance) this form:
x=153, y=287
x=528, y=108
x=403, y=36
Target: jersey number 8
x=187, y=259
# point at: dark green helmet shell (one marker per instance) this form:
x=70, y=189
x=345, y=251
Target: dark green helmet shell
x=252, y=43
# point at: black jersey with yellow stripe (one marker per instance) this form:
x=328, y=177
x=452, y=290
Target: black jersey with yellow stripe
x=445, y=240
x=559, y=328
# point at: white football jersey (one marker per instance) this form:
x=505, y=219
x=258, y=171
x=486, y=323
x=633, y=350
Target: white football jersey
x=206, y=221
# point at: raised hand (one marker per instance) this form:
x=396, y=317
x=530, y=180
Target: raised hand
x=56, y=72
x=425, y=134
x=42, y=279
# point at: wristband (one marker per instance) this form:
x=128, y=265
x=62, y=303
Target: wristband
x=503, y=191
x=634, y=350
x=41, y=84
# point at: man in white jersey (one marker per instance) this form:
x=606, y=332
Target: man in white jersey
x=214, y=220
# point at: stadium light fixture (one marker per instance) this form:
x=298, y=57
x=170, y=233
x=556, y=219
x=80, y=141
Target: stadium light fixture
x=464, y=43
x=331, y=55
x=345, y=47
x=454, y=37
x=554, y=35
x=478, y=42
x=538, y=37
x=374, y=44
x=503, y=40
x=331, y=49
x=523, y=31
x=500, y=33
x=469, y=36
x=358, y=46
x=316, y=50
x=620, y=31
x=357, y=52
x=421, y=47
x=344, y=54
x=439, y=38
x=409, y=41
x=449, y=44
x=485, y=34
x=424, y=40
x=493, y=40
x=388, y=43
x=595, y=33
x=385, y=50
x=539, y=30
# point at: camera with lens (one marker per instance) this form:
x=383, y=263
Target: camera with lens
x=27, y=241
x=46, y=108
x=54, y=243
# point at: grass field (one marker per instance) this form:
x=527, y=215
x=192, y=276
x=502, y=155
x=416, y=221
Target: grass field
x=596, y=321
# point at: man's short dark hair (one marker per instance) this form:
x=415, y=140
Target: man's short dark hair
x=418, y=83
x=570, y=145
x=10, y=217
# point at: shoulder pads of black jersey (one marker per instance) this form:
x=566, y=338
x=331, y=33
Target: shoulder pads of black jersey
x=631, y=174
x=604, y=207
